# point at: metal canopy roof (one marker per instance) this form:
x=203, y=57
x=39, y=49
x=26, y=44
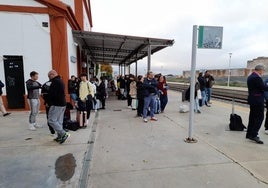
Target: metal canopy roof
x=118, y=49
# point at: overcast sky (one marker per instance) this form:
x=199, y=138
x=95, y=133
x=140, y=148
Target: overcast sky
x=244, y=22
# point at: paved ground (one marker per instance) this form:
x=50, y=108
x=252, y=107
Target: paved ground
x=122, y=151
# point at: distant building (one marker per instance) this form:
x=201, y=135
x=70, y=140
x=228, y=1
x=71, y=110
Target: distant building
x=235, y=72
x=260, y=60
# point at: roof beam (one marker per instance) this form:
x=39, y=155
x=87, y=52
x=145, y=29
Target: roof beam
x=134, y=52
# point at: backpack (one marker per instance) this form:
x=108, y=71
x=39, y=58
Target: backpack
x=236, y=123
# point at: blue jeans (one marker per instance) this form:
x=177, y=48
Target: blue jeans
x=204, y=97
x=73, y=96
x=208, y=93
x=148, y=102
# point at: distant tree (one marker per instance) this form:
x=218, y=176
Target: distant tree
x=107, y=68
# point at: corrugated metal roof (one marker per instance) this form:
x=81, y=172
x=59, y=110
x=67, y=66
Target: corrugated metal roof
x=118, y=49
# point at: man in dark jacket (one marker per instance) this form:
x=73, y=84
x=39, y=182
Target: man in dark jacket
x=44, y=92
x=73, y=88
x=57, y=103
x=101, y=92
x=209, y=81
x=202, y=85
x=150, y=92
x=256, y=101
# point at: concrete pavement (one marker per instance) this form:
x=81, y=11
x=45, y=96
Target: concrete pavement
x=32, y=159
x=130, y=153
x=120, y=150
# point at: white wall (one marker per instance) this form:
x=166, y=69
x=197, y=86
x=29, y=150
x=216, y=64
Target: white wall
x=31, y=3
x=86, y=20
x=71, y=52
x=23, y=34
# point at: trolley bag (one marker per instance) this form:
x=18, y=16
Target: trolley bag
x=82, y=118
x=157, y=105
x=236, y=123
x=134, y=104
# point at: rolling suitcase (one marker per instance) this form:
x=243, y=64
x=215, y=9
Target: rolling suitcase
x=82, y=118
x=236, y=123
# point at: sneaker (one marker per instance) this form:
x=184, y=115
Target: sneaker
x=266, y=131
x=6, y=114
x=37, y=125
x=129, y=107
x=32, y=128
x=145, y=120
x=64, y=137
x=154, y=119
x=198, y=111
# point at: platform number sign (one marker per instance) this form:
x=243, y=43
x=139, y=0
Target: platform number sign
x=210, y=37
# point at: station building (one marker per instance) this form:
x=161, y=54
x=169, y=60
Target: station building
x=40, y=35
x=37, y=36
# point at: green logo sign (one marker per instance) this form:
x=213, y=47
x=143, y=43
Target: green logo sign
x=210, y=37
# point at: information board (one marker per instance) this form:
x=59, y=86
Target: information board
x=210, y=37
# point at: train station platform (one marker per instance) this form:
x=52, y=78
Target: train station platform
x=119, y=150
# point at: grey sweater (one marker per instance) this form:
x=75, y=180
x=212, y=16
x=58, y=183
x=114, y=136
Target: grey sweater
x=33, y=89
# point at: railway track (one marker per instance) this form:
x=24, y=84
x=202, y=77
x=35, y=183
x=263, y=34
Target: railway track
x=223, y=93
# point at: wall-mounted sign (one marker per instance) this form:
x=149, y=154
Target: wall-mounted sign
x=210, y=37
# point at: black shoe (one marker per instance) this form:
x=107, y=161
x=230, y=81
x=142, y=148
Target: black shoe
x=6, y=114
x=58, y=139
x=256, y=139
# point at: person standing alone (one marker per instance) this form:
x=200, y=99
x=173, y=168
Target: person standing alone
x=33, y=87
x=256, y=101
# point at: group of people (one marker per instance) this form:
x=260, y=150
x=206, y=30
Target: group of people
x=77, y=88
x=144, y=93
x=55, y=101
x=82, y=93
x=203, y=90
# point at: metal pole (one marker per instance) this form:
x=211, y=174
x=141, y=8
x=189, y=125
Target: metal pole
x=229, y=74
x=119, y=72
x=190, y=138
x=149, y=58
